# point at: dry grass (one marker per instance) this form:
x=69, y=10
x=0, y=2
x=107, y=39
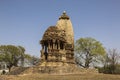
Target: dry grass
x=61, y=77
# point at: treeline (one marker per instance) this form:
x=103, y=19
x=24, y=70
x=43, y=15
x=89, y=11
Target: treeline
x=91, y=53
x=111, y=63
x=15, y=56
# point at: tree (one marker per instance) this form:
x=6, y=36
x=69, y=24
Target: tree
x=23, y=55
x=32, y=59
x=88, y=50
x=113, y=56
x=111, y=62
x=11, y=54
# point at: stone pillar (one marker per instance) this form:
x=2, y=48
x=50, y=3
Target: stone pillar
x=53, y=44
x=42, y=51
x=46, y=48
x=49, y=47
x=50, y=43
x=58, y=44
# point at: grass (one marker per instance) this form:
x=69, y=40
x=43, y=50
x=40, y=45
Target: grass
x=85, y=76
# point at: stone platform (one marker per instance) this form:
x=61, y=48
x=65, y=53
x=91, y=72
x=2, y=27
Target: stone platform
x=58, y=68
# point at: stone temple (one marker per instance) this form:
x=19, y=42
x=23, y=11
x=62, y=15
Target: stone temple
x=58, y=45
x=57, y=53
x=58, y=41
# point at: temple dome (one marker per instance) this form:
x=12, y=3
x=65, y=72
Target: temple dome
x=54, y=33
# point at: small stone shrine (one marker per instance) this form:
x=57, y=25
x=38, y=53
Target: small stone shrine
x=58, y=46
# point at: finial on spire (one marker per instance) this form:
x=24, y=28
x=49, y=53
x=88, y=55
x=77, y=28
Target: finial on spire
x=64, y=12
x=64, y=16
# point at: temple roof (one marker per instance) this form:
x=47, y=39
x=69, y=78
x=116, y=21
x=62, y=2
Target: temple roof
x=63, y=30
x=54, y=33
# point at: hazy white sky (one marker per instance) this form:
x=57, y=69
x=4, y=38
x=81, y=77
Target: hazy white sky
x=23, y=22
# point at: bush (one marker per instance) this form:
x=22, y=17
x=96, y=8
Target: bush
x=110, y=69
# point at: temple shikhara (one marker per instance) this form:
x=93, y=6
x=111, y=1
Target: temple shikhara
x=58, y=45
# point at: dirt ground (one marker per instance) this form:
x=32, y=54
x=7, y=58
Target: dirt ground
x=85, y=76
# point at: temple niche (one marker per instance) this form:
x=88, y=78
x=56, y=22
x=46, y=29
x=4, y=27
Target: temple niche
x=58, y=44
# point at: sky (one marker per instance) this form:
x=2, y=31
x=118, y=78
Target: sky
x=23, y=22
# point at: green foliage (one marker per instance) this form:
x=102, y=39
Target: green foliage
x=32, y=59
x=15, y=56
x=11, y=54
x=87, y=51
